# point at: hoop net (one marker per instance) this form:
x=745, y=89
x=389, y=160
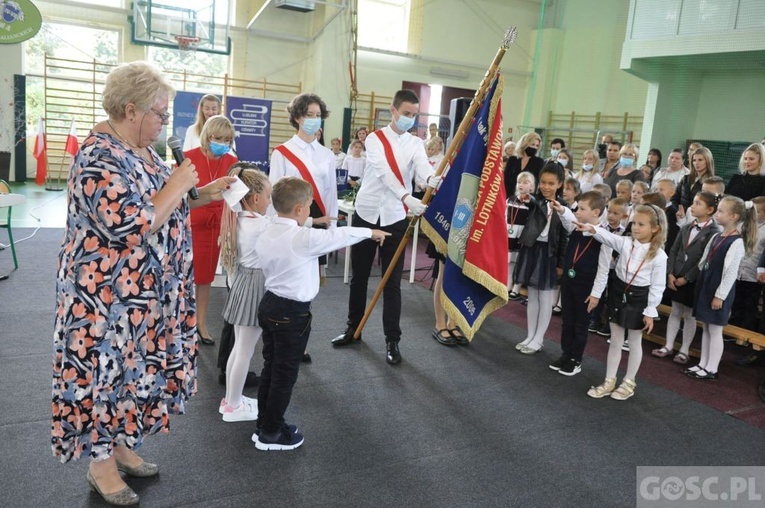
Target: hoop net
x=187, y=43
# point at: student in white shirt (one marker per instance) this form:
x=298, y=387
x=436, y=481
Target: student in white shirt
x=336, y=145
x=675, y=171
x=394, y=159
x=355, y=164
x=634, y=294
x=209, y=106
x=288, y=253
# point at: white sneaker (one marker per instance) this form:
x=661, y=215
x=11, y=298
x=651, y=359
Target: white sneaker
x=245, y=412
x=223, y=403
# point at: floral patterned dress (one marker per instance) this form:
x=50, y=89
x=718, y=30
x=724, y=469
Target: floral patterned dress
x=125, y=327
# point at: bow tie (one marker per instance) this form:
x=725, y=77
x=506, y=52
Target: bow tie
x=698, y=227
x=612, y=230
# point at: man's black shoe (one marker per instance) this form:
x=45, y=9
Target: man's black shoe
x=605, y=330
x=251, y=381
x=393, y=356
x=346, y=338
x=749, y=361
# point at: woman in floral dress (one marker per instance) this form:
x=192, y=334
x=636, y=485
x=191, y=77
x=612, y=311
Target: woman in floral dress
x=125, y=329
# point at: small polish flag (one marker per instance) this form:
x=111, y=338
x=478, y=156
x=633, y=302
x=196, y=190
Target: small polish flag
x=72, y=145
x=39, y=153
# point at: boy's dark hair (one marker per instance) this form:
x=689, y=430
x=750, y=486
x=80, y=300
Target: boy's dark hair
x=655, y=198
x=558, y=141
x=405, y=96
x=617, y=143
x=553, y=168
x=677, y=150
x=298, y=107
x=574, y=184
x=594, y=200
x=289, y=192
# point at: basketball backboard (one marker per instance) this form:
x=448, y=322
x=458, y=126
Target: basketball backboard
x=170, y=23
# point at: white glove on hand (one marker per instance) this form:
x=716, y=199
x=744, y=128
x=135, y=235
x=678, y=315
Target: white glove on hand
x=415, y=205
x=434, y=180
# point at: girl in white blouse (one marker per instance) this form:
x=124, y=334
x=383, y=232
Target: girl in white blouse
x=634, y=294
x=716, y=288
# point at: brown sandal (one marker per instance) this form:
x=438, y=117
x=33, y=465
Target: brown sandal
x=662, y=352
x=680, y=358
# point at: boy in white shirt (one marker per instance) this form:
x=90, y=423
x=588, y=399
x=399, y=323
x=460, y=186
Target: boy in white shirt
x=289, y=255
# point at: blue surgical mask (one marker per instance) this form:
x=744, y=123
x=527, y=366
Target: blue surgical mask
x=404, y=123
x=563, y=162
x=626, y=162
x=311, y=125
x=554, y=152
x=587, y=167
x=218, y=149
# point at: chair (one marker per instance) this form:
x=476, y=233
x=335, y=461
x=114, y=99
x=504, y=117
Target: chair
x=6, y=200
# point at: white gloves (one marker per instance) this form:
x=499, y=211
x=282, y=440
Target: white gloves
x=415, y=205
x=434, y=180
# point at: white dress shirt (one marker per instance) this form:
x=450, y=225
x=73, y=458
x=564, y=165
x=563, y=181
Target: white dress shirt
x=652, y=272
x=731, y=264
x=249, y=227
x=567, y=219
x=320, y=162
x=288, y=255
x=191, y=140
x=339, y=158
x=355, y=166
x=667, y=174
x=380, y=196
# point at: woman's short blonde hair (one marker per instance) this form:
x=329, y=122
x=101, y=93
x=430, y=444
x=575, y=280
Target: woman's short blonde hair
x=629, y=147
x=138, y=83
x=525, y=141
x=217, y=126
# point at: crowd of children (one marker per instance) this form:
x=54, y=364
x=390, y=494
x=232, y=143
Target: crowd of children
x=680, y=240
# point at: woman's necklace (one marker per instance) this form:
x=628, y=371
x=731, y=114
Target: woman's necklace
x=147, y=158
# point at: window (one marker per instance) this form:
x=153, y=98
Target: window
x=193, y=62
x=384, y=24
x=72, y=42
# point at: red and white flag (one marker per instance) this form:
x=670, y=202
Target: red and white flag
x=72, y=145
x=39, y=153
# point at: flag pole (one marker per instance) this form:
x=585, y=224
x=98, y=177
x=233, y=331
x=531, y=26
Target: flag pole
x=453, y=148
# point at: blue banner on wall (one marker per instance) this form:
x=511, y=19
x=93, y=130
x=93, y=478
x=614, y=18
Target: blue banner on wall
x=185, y=112
x=252, y=121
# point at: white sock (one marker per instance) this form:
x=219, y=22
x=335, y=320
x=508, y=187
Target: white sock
x=532, y=314
x=716, y=347
x=636, y=353
x=544, y=314
x=704, y=346
x=689, y=330
x=673, y=324
x=246, y=338
x=614, y=350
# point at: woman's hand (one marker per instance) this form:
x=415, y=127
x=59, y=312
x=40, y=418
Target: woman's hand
x=680, y=212
x=323, y=222
x=184, y=177
x=671, y=282
x=680, y=282
x=212, y=191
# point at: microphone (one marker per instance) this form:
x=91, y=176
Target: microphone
x=174, y=142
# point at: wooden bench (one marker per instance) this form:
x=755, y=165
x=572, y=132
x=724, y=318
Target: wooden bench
x=741, y=335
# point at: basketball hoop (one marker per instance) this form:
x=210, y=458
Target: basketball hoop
x=187, y=43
